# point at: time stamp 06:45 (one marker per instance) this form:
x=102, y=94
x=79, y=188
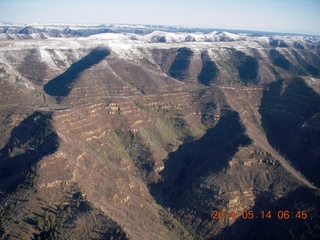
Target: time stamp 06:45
x=250, y=215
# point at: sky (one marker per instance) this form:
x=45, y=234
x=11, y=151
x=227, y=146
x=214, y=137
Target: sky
x=293, y=16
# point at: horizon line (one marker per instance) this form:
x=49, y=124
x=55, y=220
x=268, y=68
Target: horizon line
x=267, y=32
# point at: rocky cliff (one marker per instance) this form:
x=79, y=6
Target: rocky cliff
x=145, y=135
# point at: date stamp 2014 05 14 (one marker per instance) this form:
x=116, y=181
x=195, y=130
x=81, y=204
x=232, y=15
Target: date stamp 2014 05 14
x=264, y=214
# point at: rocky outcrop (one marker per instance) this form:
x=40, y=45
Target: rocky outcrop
x=144, y=135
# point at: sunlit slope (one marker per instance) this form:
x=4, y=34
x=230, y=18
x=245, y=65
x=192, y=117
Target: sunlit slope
x=142, y=136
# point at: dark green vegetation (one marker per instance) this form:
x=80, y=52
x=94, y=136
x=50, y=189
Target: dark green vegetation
x=186, y=168
x=181, y=126
x=247, y=66
x=144, y=156
x=179, y=67
x=3, y=73
x=5, y=217
x=290, y=115
x=62, y=85
x=209, y=71
x=29, y=142
x=139, y=153
x=55, y=224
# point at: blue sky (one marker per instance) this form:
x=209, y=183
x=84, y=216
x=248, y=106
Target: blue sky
x=298, y=16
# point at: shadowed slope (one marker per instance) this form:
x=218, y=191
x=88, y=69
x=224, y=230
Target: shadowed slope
x=309, y=61
x=181, y=64
x=281, y=61
x=247, y=67
x=209, y=71
x=290, y=117
x=62, y=85
x=208, y=154
x=30, y=141
x=187, y=168
x=275, y=228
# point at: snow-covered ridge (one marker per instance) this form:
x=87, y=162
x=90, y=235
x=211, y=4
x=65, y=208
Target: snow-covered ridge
x=160, y=36
x=171, y=37
x=147, y=33
x=152, y=34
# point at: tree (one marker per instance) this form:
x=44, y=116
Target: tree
x=52, y=219
x=68, y=210
x=60, y=208
x=39, y=221
x=46, y=216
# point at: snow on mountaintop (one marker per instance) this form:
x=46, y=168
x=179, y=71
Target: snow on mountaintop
x=142, y=32
x=126, y=40
x=169, y=37
x=178, y=37
x=147, y=33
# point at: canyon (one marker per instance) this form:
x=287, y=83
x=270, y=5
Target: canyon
x=141, y=132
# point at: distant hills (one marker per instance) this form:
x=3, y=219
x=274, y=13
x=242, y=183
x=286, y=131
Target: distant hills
x=152, y=132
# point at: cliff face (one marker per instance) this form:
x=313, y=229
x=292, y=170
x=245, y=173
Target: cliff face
x=144, y=136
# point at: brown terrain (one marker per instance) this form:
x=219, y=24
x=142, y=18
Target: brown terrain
x=127, y=136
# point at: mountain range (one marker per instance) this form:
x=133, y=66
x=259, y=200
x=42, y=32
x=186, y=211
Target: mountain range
x=152, y=132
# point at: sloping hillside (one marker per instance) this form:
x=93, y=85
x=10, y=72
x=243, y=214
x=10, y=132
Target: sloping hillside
x=128, y=135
